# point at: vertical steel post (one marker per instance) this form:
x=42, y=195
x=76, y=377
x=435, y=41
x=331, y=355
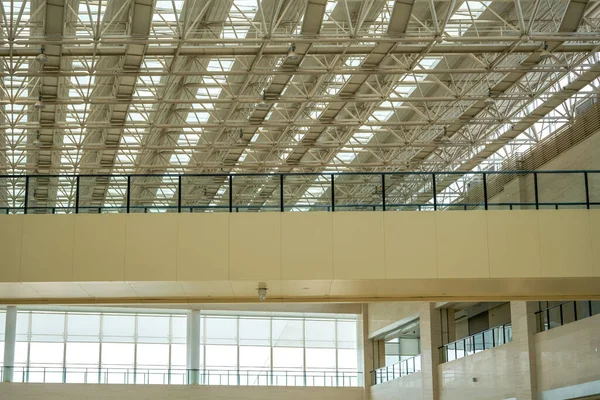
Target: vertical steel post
x=230, y=193
x=281, y=200
x=26, y=202
x=535, y=186
x=434, y=187
x=179, y=194
x=77, y=195
x=332, y=193
x=587, y=190
x=485, y=191
x=383, y=192
x=128, y=192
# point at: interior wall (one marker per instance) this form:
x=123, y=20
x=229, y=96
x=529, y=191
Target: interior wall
x=34, y=391
x=499, y=315
x=406, y=387
x=387, y=315
x=569, y=354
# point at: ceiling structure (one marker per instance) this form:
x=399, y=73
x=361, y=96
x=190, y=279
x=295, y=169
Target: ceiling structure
x=277, y=86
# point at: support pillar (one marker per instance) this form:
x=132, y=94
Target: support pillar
x=10, y=335
x=365, y=350
x=431, y=334
x=523, y=331
x=448, y=325
x=193, y=347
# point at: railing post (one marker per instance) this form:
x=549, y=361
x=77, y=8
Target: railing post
x=281, y=200
x=561, y=315
x=587, y=190
x=485, y=191
x=575, y=310
x=230, y=193
x=332, y=193
x=26, y=202
x=77, y=194
x=535, y=187
x=128, y=192
x=434, y=188
x=383, y=192
x=179, y=194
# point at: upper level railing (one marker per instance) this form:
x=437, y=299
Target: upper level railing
x=564, y=313
x=395, y=371
x=158, y=376
x=356, y=191
x=477, y=342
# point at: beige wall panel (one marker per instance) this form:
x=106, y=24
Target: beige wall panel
x=358, y=245
x=387, y=315
x=406, y=387
x=410, y=245
x=565, y=243
x=75, y=391
x=307, y=245
x=47, y=250
x=514, y=244
x=151, y=253
x=99, y=248
x=569, y=354
x=11, y=236
x=494, y=370
x=595, y=231
x=462, y=244
x=203, y=247
x=255, y=249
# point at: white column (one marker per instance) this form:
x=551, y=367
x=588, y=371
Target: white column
x=10, y=335
x=365, y=349
x=431, y=340
x=193, y=347
x=523, y=327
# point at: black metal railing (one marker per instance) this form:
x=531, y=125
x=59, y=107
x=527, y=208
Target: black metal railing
x=549, y=317
x=477, y=342
x=165, y=376
x=356, y=191
x=397, y=370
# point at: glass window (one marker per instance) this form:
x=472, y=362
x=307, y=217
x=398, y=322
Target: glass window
x=47, y=327
x=288, y=332
x=320, y=333
x=153, y=329
x=255, y=357
x=321, y=359
x=221, y=330
x=83, y=327
x=118, y=328
x=255, y=332
x=152, y=355
x=346, y=334
x=117, y=355
x=288, y=358
x=179, y=356
x=221, y=356
x=83, y=355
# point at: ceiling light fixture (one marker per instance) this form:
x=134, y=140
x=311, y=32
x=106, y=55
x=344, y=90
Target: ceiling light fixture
x=292, y=55
x=42, y=58
x=262, y=293
x=545, y=54
x=37, y=142
x=489, y=100
x=39, y=104
x=263, y=101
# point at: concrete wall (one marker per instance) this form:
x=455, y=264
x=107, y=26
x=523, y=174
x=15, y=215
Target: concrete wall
x=352, y=254
x=563, y=187
x=568, y=355
x=35, y=391
x=406, y=387
x=387, y=315
x=493, y=369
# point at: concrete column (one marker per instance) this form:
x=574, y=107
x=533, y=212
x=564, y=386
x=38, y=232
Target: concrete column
x=448, y=326
x=193, y=347
x=523, y=330
x=10, y=335
x=365, y=350
x=431, y=336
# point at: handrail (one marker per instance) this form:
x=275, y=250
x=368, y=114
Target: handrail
x=568, y=311
x=397, y=370
x=375, y=192
x=480, y=341
x=166, y=376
